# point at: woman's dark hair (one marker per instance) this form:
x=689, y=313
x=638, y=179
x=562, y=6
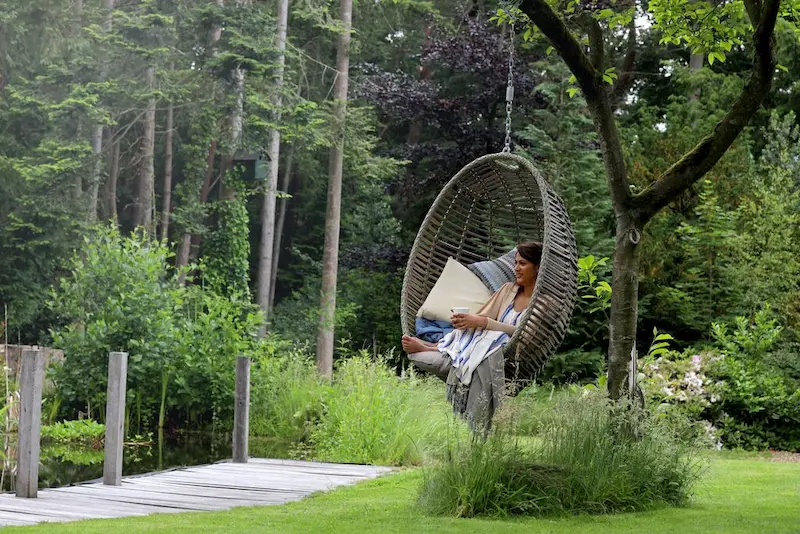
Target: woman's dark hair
x=531, y=251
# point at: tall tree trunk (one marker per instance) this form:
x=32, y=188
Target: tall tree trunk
x=237, y=129
x=425, y=72
x=237, y=122
x=97, y=134
x=696, y=63
x=283, y=204
x=188, y=241
x=266, y=254
x=166, y=199
x=146, y=186
x=111, y=184
x=77, y=24
x=330, y=254
x=97, y=170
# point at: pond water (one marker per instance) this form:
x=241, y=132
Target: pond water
x=64, y=464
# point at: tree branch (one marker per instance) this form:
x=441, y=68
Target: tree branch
x=596, y=92
x=596, y=51
x=565, y=44
x=627, y=75
x=753, y=8
x=707, y=152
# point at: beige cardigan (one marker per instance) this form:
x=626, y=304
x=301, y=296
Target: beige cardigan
x=497, y=304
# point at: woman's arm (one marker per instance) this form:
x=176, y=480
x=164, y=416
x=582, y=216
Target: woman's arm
x=464, y=321
x=486, y=316
x=503, y=327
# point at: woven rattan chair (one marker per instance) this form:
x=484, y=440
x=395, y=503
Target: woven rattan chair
x=492, y=204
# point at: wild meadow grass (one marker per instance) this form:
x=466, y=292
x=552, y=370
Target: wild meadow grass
x=367, y=414
x=591, y=456
x=286, y=398
x=372, y=416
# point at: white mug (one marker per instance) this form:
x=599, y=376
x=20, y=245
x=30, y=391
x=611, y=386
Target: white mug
x=460, y=309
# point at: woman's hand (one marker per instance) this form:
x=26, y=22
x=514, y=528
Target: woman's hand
x=463, y=321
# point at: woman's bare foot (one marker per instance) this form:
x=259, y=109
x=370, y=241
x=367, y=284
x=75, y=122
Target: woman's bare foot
x=413, y=344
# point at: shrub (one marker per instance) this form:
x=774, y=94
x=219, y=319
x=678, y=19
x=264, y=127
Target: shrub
x=182, y=342
x=574, y=366
x=758, y=409
x=118, y=296
x=725, y=399
x=617, y=458
x=592, y=457
x=680, y=392
x=80, y=431
x=372, y=416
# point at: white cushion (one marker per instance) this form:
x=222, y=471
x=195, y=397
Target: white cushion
x=457, y=286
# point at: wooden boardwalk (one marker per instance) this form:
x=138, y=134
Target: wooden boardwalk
x=219, y=486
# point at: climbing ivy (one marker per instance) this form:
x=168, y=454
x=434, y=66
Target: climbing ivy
x=225, y=265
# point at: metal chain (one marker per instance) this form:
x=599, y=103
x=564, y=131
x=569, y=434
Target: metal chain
x=509, y=89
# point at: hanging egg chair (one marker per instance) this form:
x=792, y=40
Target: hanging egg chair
x=483, y=212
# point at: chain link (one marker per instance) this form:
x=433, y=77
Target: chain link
x=509, y=89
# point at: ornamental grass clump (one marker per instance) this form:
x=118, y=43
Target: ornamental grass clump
x=591, y=456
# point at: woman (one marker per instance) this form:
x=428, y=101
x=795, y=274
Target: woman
x=477, y=335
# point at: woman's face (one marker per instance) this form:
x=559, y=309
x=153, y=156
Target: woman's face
x=525, y=271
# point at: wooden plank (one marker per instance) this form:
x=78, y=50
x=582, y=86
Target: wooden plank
x=239, y=474
x=9, y=520
x=51, y=510
x=219, y=486
x=177, y=488
x=268, y=491
x=30, y=422
x=255, y=468
x=241, y=410
x=115, y=417
x=140, y=498
x=147, y=492
x=272, y=483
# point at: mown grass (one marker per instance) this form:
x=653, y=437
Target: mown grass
x=737, y=496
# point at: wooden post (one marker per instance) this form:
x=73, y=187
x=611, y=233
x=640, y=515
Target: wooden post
x=241, y=411
x=115, y=417
x=30, y=422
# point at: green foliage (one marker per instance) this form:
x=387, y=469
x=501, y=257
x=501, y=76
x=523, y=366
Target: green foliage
x=592, y=456
x=287, y=395
x=214, y=331
x=118, y=297
x=69, y=453
x=681, y=391
x=758, y=409
x=738, y=397
x=576, y=365
x=226, y=263
x=182, y=343
x=371, y=416
x=768, y=233
x=750, y=340
x=564, y=143
x=588, y=328
x=84, y=430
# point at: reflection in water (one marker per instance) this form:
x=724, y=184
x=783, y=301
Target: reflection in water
x=64, y=464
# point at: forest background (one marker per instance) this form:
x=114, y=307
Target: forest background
x=159, y=115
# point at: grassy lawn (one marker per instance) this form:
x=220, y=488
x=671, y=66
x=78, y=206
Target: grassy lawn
x=739, y=494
